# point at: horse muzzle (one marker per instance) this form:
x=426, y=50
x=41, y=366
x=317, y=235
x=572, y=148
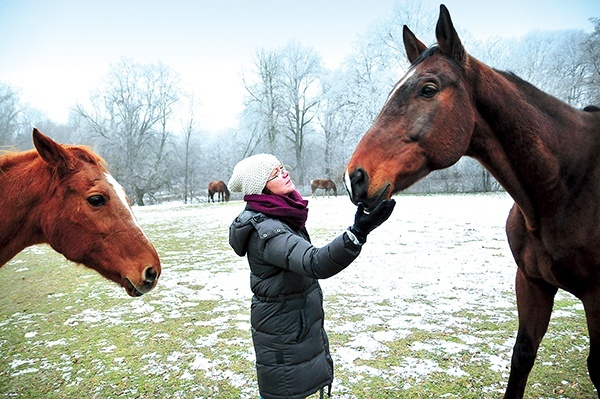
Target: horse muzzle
x=149, y=281
x=357, y=185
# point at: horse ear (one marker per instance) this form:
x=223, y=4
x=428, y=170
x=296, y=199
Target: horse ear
x=414, y=47
x=50, y=151
x=447, y=37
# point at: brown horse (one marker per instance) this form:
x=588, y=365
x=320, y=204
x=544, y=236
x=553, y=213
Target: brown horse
x=325, y=184
x=542, y=151
x=219, y=188
x=65, y=197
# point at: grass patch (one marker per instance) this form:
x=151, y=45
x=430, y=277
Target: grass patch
x=65, y=332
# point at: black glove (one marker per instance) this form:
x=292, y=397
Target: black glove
x=364, y=223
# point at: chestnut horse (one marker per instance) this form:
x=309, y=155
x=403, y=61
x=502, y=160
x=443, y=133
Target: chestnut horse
x=65, y=197
x=219, y=188
x=542, y=151
x=325, y=184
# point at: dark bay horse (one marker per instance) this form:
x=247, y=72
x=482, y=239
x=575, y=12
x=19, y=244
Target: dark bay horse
x=545, y=153
x=220, y=188
x=64, y=196
x=325, y=184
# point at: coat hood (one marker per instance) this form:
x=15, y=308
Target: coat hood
x=240, y=230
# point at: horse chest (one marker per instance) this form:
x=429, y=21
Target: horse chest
x=570, y=262
x=561, y=253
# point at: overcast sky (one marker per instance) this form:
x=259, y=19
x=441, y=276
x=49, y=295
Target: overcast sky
x=57, y=51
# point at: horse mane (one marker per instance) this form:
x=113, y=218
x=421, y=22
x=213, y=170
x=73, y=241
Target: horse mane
x=529, y=88
x=544, y=100
x=9, y=159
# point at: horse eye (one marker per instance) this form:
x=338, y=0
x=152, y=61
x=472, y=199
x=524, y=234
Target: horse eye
x=429, y=91
x=96, y=200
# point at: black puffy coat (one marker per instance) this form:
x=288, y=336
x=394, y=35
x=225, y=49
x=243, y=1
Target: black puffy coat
x=287, y=318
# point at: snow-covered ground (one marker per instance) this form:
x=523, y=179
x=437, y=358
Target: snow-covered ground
x=436, y=258
x=439, y=262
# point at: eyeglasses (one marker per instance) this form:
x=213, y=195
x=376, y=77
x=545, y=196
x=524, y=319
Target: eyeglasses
x=278, y=172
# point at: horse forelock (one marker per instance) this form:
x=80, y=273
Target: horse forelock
x=87, y=155
x=425, y=54
x=434, y=49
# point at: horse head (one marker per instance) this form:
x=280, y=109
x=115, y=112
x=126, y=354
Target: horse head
x=87, y=217
x=424, y=125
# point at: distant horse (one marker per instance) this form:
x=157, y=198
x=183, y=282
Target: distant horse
x=543, y=152
x=325, y=184
x=65, y=197
x=220, y=188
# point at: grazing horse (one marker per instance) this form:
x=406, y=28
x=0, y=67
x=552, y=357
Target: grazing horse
x=325, y=184
x=220, y=188
x=65, y=197
x=543, y=152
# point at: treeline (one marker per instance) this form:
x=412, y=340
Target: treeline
x=143, y=122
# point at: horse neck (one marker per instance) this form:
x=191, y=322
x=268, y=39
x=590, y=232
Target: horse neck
x=22, y=178
x=525, y=138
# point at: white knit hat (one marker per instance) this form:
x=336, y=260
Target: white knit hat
x=250, y=175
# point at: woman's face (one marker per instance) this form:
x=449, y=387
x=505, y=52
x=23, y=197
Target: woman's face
x=280, y=181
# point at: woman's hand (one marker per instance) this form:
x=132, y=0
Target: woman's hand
x=364, y=223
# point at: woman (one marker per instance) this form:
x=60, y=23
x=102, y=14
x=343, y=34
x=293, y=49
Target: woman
x=287, y=318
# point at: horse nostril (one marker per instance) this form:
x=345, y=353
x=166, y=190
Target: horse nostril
x=359, y=183
x=150, y=275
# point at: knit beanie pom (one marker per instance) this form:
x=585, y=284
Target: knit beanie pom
x=250, y=175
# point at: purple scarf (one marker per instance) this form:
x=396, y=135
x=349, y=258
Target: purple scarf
x=291, y=208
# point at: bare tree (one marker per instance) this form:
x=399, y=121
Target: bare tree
x=590, y=49
x=337, y=117
x=10, y=109
x=385, y=37
x=301, y=68
x=264, y=95
x=190, y=154
x=379, y=58
x=130, y=114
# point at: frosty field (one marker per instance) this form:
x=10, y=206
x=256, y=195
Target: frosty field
x=427, y=311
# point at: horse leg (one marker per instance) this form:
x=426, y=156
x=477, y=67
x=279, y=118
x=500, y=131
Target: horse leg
x=535, y=299
x=592, y=313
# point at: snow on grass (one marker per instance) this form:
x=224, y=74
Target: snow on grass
x=424, y=291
